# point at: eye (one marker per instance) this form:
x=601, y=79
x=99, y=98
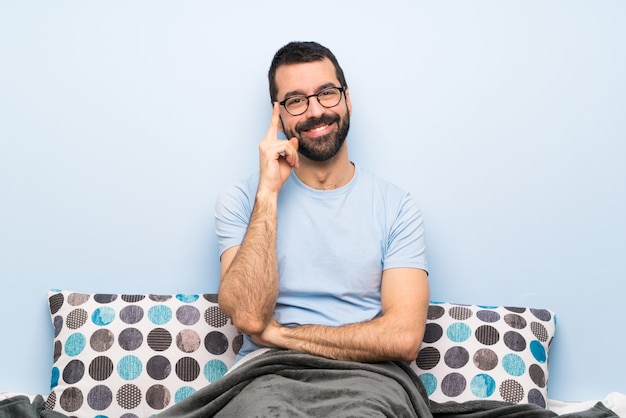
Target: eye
x=295, y=101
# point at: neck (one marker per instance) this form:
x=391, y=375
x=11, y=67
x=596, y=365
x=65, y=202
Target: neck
x=326, y=175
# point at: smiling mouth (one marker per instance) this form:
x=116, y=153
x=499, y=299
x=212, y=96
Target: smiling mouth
x=318, y=126
x=318, y=129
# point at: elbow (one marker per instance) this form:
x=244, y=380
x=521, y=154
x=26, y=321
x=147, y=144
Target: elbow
x=408, y=347
x=246, y=322
x=250, y=326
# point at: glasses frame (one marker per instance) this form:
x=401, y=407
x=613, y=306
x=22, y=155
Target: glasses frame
x=341, y=89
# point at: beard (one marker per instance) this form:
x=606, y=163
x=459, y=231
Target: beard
x=325, y=147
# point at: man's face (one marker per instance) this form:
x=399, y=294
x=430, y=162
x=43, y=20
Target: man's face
x=321, y=131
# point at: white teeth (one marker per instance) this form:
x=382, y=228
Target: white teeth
x=319, y=128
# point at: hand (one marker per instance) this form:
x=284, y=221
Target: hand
x=277, y=157
x=270, y=335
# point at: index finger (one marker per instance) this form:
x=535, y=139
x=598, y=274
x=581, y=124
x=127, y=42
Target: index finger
x=272, y=131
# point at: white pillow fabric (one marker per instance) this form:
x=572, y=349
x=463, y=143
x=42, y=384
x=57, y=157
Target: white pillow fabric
x=132, y=356
x=486, y=352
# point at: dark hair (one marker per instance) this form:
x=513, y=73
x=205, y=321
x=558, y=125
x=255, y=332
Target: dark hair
x=298, y=53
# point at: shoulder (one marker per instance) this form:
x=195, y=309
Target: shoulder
x=239, y=194
x=388, y=191
x=389, y=200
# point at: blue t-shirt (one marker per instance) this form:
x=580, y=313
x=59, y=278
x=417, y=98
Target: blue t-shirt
x=332, y=245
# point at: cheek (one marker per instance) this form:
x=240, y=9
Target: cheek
x=288, y=127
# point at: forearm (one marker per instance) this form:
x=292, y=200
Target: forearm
x=249, y=285
x=377, y=340
x=395, y=335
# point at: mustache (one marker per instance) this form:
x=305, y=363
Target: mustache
x=314, y=122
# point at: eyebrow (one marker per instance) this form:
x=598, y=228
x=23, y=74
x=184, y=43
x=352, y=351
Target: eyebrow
x=302, y=93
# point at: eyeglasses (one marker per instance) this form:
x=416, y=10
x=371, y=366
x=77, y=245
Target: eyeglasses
x=297, y=105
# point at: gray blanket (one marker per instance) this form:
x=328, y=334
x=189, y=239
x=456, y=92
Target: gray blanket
x=291, y=384
x=21, y=407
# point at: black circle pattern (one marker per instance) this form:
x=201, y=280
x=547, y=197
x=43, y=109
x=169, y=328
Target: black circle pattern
x=73, y=372
x=131, y=314
x=216, y=343
x=130, y=339
x=460, y=313
x=433, y=332
x=159, y=339
x=456, y=357
x=128, y=396
x=99, y=397
x=487, y=334
x=435, y=312
x=102, y=340
x=101, y=368
x=485, y=359
x=215, y=317
x=76, y=319
x=428, y=358
x=488, y=316
x=187, y=369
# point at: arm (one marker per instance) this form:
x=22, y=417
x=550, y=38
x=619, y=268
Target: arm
x=395, y=335
x=249, y=272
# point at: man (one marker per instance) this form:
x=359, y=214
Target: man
x=325, y=262
x=317, y=255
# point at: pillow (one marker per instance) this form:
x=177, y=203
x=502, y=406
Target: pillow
x=486, y=352
x=132, y=356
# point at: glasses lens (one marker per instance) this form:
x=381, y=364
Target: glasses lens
x=297, y=105
x=329, y=97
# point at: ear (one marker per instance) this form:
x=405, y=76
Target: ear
x=348, y=102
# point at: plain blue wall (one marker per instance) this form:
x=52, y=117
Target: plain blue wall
x=121, y=121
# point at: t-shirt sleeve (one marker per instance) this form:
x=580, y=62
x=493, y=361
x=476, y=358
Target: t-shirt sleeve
x=406, y=246
x=232, y=214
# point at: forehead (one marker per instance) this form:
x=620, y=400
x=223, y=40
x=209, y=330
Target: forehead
x=305, y=78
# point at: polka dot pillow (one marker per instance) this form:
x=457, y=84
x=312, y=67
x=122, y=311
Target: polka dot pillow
x=131, y=356
x=478, y=352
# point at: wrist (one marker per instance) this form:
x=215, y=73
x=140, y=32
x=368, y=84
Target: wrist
x=280, y=336
x=266, y=195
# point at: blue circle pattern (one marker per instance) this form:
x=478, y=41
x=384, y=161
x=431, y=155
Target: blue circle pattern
x=430, y=382
x=183, y=393
x=187, y=298
x=160, y=314
x=54, y=380
x=103, y=316
x=539, y=352
x=214, y=369
x=459, y=332
x=483, y=386
x=513, y=364
x=129, y=367
x=75, y=344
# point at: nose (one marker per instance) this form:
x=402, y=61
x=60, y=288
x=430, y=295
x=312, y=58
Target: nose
x=315, y=109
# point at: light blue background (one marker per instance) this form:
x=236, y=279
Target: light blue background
x=121, y=121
